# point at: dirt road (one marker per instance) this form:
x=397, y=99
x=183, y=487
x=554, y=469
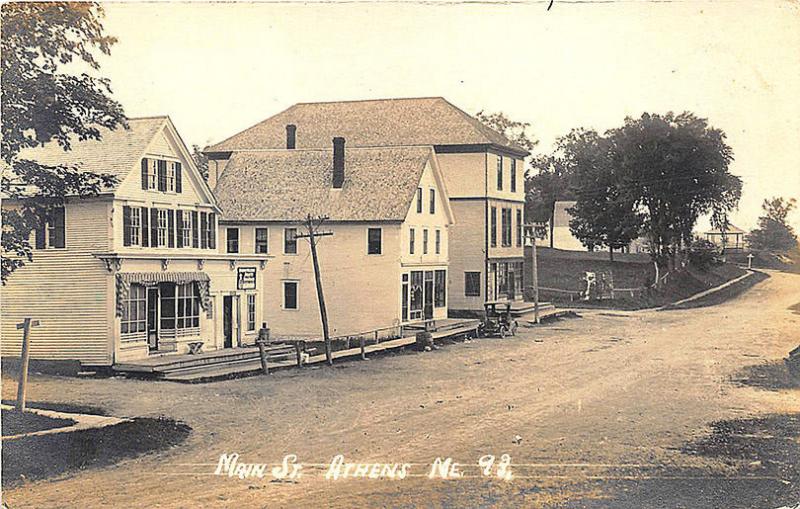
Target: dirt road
x=601, y=405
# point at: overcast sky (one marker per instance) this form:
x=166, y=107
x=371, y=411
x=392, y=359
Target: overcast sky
x=219, y=68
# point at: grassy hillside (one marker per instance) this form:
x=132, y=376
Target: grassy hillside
x=565, y=270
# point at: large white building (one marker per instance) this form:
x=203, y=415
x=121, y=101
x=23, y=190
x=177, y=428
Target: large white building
x=482, y=171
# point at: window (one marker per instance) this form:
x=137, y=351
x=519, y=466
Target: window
x=290, y=241
x=425, y=241
x=290, y=294
x=134, y=310
x=438, y=241
x=163, y=227
x=513, y=175
x=233, y=240
x=186, y=228
x=170, y=169
x=506, y=227
x=433, y=201
x=132, y=226
x=262, y=240
x=417, y=303
x=519, y=227
x=251, y=312
x=149, y=174
x=52, y=234
x=494, y=226
x=440, y=288
x=411, y=240
x=374, y=241
x=419, y=200
x=472, y=284
x=188, y=307
x=499, y=173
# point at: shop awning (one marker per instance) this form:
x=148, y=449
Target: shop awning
x=200, y=279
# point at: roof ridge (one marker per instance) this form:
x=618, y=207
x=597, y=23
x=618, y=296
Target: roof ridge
x=479, y=126
x=374, y=100
x=148, y=117
x=327, y=149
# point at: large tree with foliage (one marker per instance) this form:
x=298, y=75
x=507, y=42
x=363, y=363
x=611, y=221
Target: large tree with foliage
x=41, y=103
x=604, y=214
x=674, y=168
x=201, y=160
x=774, y=232
x=515, y=131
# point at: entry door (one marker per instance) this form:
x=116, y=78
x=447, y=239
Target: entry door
x=227, y=320
x=428, y=294
x=152, y=318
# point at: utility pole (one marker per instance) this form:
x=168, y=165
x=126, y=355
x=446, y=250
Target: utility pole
x=311, y=234
x=24, y=361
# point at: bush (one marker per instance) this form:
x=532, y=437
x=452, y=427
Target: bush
x=703, y=254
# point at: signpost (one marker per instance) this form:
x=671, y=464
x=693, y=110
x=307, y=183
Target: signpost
x=246, y=278
x=24, y=361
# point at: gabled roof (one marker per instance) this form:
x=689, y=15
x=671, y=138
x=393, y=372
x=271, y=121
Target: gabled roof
x=731, y=229
x=286, y=185
x=370, y=123
x=116, y=153
x=560, y=215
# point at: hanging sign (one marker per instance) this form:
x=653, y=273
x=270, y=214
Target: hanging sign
x=246, y=278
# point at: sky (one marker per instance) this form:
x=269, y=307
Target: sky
x=218, y=68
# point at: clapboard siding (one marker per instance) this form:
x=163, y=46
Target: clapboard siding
x=67, y=290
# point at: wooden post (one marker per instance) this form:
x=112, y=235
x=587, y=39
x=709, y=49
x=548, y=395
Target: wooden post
x=262, y=350
x=22, y=385
x=362, y=342
x=535, y=280
x=298, y=354
x=323, y=313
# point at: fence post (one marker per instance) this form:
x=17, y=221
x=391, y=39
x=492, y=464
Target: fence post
x=25, y=356
x=362, y=344
x=298, y=353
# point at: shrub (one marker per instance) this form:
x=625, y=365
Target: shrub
x=703, y=254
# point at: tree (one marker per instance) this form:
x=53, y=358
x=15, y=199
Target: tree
x=603, y=215
x=773, y=232
x=41, y=104
x=201, y=160
x=674, y=168
x=516, y=132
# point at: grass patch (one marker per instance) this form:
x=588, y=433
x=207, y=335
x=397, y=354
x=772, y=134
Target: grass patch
x=45, y=456
x=17, y=423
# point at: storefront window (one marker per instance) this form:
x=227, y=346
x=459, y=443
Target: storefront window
x=251, y=312
x=440, y=288
x=134, y=310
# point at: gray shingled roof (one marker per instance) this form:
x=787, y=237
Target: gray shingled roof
x=286, y=185
x=116, y=153
x=371, y=123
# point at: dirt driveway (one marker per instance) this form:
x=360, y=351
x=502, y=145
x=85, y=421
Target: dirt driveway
x=597, y=402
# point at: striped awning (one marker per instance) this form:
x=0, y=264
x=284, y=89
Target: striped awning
x=153, y=278
x=202, y=284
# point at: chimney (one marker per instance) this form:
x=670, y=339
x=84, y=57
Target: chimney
x=291, y=132
x=338, y=163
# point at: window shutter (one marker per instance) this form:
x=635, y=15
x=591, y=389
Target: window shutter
x=60, y=230
x=178, y=182
x=179, y=228
x=145, y=229
x=212, y=226
x=154, y=227
x=203, y=226
x=126, y=226
x=41, y=231
x=171, y=228
x=194, y=228
x=162, y=175
x=144, y=173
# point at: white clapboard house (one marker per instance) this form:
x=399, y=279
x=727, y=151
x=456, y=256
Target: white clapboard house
x=135, y=271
